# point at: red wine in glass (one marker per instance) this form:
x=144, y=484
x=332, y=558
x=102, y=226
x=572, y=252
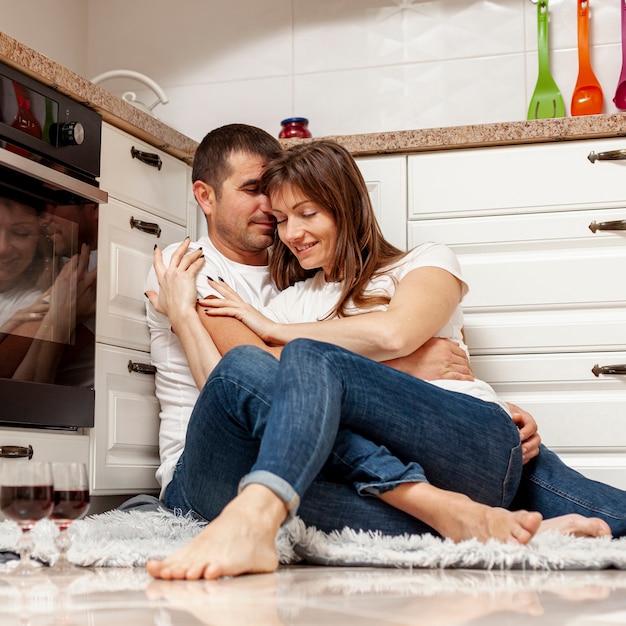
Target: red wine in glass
x=26, y=504
x=71, y=502
x=26, y=496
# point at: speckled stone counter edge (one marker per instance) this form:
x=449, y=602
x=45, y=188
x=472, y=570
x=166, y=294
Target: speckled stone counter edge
x=123, y=115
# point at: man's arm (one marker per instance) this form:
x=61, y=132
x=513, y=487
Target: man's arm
x=437, y=359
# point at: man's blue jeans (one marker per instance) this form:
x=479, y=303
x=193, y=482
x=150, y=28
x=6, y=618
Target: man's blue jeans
x=285, y=424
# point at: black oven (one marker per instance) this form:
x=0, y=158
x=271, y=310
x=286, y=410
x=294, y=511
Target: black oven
x=49, y=202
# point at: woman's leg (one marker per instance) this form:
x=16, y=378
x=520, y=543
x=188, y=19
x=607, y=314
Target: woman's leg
x=552, y=487
x=462, y=444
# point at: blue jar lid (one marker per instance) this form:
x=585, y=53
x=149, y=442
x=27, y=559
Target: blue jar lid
x=291, y=120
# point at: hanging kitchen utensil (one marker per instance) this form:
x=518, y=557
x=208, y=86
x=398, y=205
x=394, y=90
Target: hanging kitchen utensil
x=620, y=92
x=547, y=100
x=587, y=98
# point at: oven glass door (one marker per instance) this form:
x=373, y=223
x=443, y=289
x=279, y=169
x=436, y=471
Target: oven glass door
x=48, y=271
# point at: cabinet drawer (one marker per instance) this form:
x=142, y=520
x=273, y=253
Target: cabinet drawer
x=160, y=191
x=512, y=179
x=125, y=258
x=48, y=445
x=538, y=281
x=125, y=443
x=580, y=416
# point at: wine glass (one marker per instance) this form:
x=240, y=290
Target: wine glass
x=71, y=502
x=26, y=496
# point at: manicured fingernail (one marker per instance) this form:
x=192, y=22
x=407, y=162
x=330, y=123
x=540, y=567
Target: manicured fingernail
x=145, y=294
x=155, y=246
x=209, y=278
x=220, y=279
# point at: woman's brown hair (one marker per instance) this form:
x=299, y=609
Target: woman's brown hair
x=327, y=175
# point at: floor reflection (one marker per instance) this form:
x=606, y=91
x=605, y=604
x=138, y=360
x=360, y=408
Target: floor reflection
x=317, y=595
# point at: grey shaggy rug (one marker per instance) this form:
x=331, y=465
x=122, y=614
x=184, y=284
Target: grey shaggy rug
x=130, y=538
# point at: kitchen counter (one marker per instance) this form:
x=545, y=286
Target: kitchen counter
x=127, y=117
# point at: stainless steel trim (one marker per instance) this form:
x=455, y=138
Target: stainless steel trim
x=48, y=175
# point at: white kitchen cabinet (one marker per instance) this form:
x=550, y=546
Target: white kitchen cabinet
x=49, y=446
x=148, y=205
x=547, y=302
x=385, y=178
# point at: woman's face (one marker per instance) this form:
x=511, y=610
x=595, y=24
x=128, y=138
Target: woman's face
x=307, y=229
x=19, y=236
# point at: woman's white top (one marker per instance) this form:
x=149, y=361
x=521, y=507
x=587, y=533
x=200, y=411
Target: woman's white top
x=313, y=299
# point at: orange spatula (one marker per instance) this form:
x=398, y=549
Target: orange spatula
x=587, y=98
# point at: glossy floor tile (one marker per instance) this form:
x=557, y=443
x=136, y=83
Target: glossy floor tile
x=318, y=595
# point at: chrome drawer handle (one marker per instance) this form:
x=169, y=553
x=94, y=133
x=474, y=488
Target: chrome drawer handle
x=616, y=225
x=149, y=158
x=141, y=368
x=620, y=370
x=611, y=155
x=146, y=227
x=16, y=452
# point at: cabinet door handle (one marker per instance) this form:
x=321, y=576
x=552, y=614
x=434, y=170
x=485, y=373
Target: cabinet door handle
x=611, y=155
x=616, y=225
x=620, y=370
x=15, y=452
x=141, y=368
x=149, y=158
x=146, y=227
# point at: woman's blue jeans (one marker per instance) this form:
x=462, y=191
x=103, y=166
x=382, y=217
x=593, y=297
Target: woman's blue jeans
x=303, y=427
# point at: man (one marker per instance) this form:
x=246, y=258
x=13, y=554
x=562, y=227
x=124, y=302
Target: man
x=226, y=172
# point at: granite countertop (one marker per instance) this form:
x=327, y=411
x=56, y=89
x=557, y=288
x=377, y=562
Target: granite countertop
x=127, y=117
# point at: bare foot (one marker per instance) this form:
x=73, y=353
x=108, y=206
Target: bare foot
x=241, y=540
x=577, y=525
x=457, y=517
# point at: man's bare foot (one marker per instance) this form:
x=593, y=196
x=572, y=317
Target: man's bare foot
x=457, y=517
x=577, y=525
x=241, y=540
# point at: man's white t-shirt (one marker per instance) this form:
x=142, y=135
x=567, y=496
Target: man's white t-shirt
x=175, y=387
x=313, y=299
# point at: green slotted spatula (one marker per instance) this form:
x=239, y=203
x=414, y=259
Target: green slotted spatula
x=547, y=100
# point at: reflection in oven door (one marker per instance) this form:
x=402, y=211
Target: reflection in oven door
x=48, y=271
x=49, y=203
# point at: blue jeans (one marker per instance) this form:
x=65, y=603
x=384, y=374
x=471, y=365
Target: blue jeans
x=298, y=427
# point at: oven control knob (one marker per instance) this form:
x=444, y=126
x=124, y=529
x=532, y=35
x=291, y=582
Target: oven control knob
x=72, y=134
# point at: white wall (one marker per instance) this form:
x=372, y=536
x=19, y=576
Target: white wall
x=353, y=66
x=55, y=28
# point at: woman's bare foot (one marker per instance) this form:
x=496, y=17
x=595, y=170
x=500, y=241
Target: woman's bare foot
x=577, y=525
x=241, y=540
x=457, y=517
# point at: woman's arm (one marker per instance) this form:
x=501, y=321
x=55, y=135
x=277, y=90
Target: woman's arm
x=422, y=304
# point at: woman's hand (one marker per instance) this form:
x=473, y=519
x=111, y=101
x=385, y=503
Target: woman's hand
x=231, y=305
x=529, y=435
x=178, y=293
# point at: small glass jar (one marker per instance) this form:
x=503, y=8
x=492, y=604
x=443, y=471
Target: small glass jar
x=295, y=127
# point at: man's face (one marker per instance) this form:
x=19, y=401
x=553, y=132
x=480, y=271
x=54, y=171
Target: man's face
x=241, y=224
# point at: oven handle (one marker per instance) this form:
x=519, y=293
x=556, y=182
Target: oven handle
x=48, y=175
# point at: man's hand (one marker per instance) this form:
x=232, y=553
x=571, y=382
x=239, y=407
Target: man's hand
x=437, y=359
x=527, y=425
x=177, y=283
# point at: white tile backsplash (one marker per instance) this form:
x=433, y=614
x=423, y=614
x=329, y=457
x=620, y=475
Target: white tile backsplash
x=350, y=66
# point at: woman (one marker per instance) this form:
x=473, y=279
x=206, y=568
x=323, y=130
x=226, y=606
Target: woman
x=297, y=408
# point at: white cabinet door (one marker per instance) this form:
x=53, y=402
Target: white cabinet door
x=125, y=258
x=141, y=175
x=385, y=178
x=124, y=446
